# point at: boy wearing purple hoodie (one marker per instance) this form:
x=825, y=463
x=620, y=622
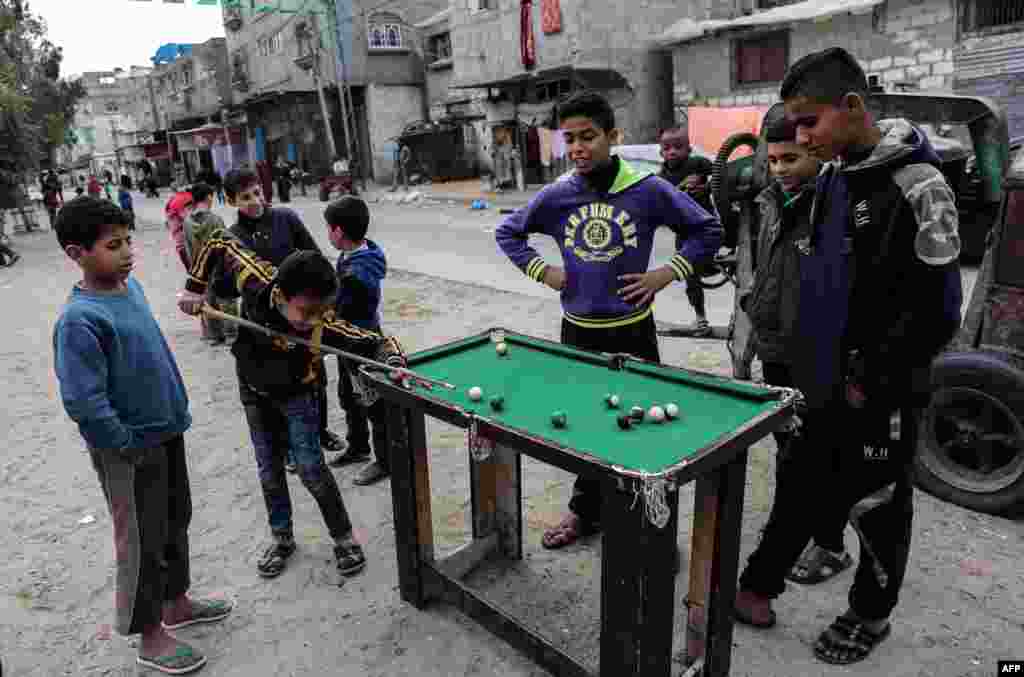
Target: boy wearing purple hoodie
x=604, y=217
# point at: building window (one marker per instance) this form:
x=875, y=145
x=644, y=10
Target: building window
x=385, y=36
x=762, y=59
x=186, y=77
x=440, y=47
x=552, y=91
x=979, y=15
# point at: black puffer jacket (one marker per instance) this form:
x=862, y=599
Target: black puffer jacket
x=774, y=300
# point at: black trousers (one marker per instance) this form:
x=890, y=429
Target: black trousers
x=150, y=502
x=847, y=466
x=639, y=339
x=828, y=533
x=359, y=418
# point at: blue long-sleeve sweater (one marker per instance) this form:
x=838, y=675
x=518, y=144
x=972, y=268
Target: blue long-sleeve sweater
x=605, y=235
x=118, y=378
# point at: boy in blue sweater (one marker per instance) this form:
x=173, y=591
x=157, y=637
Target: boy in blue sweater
x=361, y=270
x=604, y=218
x=120, y=383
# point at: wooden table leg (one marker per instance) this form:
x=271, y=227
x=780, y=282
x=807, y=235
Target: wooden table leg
x=637, y=585
x=496, y=488
x=410, y=494
x=714, y=565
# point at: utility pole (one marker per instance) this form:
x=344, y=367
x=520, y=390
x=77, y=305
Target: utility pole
x=344, y=93
x=320, y=95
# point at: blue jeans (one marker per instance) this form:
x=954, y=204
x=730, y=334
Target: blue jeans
x=280, y=429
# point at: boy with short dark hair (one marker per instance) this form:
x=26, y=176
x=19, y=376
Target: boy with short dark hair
x=773, y=304
x=689, y=173
x=272, y=233
x=880, y=294
x=361, y=270
x=200, y=225
x=604, y=218
x=120, y=383
x=279, y=383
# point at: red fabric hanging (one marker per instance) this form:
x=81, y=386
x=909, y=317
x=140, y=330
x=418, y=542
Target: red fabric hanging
x=528, y=47
x=550, y=16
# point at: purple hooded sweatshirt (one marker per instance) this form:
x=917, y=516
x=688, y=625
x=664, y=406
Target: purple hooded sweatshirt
x=605, y=235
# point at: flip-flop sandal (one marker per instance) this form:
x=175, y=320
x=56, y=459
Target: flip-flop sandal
x=351, y=559
x=818, y=565
x=568, y=531
x=184, y=660
x=205, y=611
x=847, y=636
x=275, y=559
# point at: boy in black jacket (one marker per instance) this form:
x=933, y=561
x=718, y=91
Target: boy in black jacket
x=361, y=269
x=280, y=381
x=773, y=304
x=880, y=294
x=272, y=233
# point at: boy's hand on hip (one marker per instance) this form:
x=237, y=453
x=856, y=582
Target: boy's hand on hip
x=554, y=277
x=190, y=303
x=642, y=287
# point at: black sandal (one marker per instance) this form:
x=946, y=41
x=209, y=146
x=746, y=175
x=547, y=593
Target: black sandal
x=848, y=641
x=331, y=442
x=275, y=559
x=351, y=559
x=818, y=565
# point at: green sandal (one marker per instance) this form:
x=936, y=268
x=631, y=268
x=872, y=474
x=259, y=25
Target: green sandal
x=184, y=660
x=205, y=611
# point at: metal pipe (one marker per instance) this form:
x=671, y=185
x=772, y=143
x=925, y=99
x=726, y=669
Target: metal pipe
x=218, y=315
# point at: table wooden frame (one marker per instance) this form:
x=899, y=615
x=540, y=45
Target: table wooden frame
x=637, y=639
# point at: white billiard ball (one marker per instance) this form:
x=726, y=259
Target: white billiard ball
x=672, y=410
x=475, y=393
x=501, y=348
x=656, y=414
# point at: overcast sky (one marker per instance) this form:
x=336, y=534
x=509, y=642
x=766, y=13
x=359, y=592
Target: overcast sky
x=100, y=35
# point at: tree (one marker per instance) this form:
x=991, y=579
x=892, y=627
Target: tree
x=36, y=105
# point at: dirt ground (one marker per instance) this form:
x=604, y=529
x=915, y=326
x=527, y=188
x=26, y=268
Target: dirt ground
x=960, y=610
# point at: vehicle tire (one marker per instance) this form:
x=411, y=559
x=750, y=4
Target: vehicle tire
x=971, y=444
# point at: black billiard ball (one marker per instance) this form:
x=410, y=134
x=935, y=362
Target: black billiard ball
x=558, y=419
x=625, y=422
x=637, y=414
x=497, y=403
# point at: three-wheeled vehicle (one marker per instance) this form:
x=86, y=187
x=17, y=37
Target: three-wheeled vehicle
x=972, y=440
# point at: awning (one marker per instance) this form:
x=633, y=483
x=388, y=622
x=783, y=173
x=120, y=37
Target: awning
x=687, y=30
x=592, y=78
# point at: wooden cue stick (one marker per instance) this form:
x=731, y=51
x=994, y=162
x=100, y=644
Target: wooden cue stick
x=216, y=314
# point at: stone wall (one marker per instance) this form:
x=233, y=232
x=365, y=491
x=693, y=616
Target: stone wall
x=389, y=108
x=908, y=44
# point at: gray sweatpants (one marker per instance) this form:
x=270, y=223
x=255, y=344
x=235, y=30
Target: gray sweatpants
x=147, y=492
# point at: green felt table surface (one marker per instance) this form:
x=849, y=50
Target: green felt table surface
x=536, y=382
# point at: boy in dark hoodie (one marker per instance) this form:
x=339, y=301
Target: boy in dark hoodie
x=272, y=233
x=280, y=382
x=773, y=304
x=880, y=294
x=361, y=270
x=604, y=218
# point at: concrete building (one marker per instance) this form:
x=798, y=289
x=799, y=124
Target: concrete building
x=272, y=57
x=603, y=45
x=188, y=95
x=735, y=52
x=102, y=116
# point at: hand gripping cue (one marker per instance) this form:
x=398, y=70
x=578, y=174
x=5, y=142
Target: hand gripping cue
x=216, y=314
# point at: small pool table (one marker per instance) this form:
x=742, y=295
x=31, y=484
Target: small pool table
x=718, y=418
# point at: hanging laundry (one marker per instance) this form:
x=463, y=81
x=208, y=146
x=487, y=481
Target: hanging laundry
x=550, y=16
x=527, y=46
x=545, y=146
